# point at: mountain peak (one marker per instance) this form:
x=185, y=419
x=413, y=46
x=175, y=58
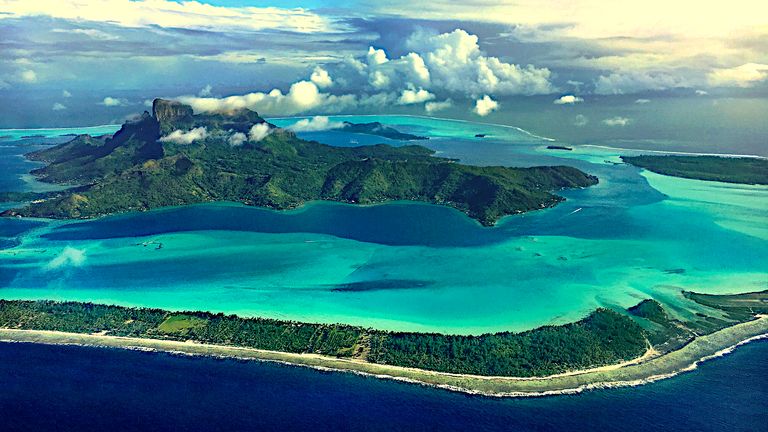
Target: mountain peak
x=168, y=112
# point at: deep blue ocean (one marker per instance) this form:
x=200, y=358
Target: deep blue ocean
x=60, y=388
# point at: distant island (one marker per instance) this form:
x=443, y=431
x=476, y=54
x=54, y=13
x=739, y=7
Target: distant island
x=378, y=129
x=175, y=157
x=744, y=170
x=557, y=147
x=606, y=348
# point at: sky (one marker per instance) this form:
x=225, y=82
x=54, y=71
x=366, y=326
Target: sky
x=70, y=62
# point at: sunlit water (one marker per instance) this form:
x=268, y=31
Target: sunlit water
x=408, y=266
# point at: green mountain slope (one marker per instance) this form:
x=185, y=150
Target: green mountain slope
x=135, y=171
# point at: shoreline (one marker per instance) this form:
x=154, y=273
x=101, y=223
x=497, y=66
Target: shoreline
x=646, y=369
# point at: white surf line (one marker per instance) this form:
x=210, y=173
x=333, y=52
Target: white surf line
x=734, y=155
x=423, y=117
x=575, y=211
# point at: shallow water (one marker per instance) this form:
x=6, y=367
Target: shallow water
x=410, y=266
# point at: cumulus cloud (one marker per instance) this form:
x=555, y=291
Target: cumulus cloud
x=258, y=132
x=642, y=101
x=66, y=94
x=301, y=97
x=205, y=91
x=315, y=124
x=321, y=78
x=58, y=106
x=745, y=75
x=383, y=73
x=448, y=64
x=568, y=100
x=485, y=106
x=411, y=96
x=701, y=92
x=580, y=120
x=69, y=257
x=456, y=64
x=113, y=102
x=432, y=107
x=237, y=139
x=616, y=121
x=185, y=137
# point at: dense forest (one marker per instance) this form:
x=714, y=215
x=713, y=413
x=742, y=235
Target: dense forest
x=714, y=168
x=603, y=337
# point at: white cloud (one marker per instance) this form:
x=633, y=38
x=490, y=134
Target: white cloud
x=580, y=120
x=568, y=100
x=456, y=64
x=58, y=106
x=432, y=107
x=91, y=33
x=745, y=75
x=616, y=121
x=185, y=137
x=447, y=64
x=633, y=82
x=66, y=94
x=28, y=76
x=411, y=96
x=321, y=78
x=315, y=124
x=485, y=106
x=166, y=13
x=595, y=19
x=113, y=102
x=302, y=96
x=642, y=101
x=237, y=139
x=205, y=91
x=258, y=132
x=701, y=92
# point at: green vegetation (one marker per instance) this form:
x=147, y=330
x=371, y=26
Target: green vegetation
x=134, y=171
x=602, y=338
x=737, y=306
x=180, y=324
x=715, y=168
x=378, y=129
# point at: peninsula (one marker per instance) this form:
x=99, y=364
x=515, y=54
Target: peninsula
x=746, y=170
x=378, y=129
x=607, y=348
x=176, y=157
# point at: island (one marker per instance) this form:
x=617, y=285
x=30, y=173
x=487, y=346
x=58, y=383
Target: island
x=745, y=170
x=606, y=348
x=558, y=147
x=176, y=157
x=378, y=129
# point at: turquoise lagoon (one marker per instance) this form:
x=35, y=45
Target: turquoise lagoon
x=408, y=266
